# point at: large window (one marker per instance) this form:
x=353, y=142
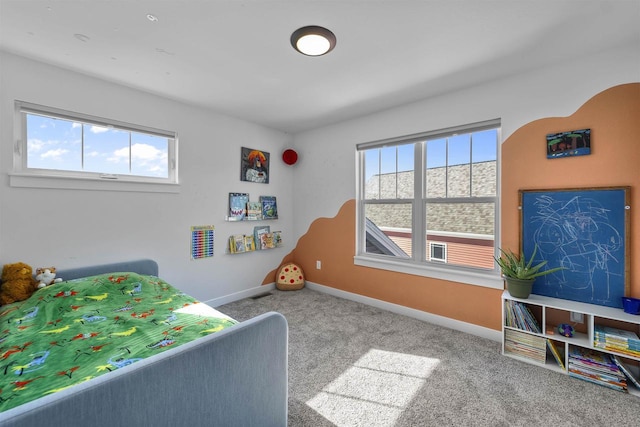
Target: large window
x=57, y=143
x=429, y=202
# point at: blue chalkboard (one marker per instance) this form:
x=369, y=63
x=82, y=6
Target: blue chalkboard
x=585, y=231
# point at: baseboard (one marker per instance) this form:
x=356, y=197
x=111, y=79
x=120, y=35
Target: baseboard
x=458, y=325
x=247, y=293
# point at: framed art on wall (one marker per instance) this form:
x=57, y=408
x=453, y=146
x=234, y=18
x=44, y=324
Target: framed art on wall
x=254, y=165
x=586, y=231
x=572, y=143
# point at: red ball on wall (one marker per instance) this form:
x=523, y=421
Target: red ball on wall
x=289, y=156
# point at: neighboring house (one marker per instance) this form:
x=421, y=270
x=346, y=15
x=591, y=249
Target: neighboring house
x=453, y=235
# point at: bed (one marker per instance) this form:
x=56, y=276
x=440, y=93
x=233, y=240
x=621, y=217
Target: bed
x=231, y=374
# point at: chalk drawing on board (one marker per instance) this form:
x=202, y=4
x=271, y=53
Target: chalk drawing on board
x=584, y=232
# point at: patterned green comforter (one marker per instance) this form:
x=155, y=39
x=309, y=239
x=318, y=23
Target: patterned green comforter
x=74, y=331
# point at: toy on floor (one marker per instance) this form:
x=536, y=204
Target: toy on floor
x=46, y=276
x=290, y=277
x=17, y=283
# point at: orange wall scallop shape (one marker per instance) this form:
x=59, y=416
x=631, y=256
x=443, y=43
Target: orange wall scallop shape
x=614, y=119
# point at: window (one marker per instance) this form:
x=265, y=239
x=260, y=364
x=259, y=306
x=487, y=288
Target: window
x=54, y=143
x=429, y=202
x=438, y=251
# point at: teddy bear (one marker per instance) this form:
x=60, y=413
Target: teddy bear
x=46, y=276
x=17, y=283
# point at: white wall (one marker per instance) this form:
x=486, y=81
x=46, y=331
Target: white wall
x=67, y=228
x=325, y=176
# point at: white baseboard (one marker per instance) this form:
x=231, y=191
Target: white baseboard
x=247, y=293
x=458, y=325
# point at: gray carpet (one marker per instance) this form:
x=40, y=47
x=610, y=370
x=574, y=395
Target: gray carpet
x=355, y=365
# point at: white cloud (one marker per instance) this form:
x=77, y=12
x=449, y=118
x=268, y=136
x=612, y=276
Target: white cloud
x=98, y=129
x=54, y=154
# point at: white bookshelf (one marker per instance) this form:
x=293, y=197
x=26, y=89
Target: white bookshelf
x=546, y=309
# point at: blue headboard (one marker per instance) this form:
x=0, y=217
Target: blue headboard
x=141, y=266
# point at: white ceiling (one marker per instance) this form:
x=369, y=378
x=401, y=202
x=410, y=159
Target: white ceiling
x=234, y=56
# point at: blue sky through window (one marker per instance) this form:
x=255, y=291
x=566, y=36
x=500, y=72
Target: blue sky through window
x=480, y=146
x=60, y=144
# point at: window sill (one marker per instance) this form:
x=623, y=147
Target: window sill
x=490, y=279
x=21, y=180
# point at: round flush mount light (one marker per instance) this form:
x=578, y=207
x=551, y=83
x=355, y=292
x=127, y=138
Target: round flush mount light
x=313, y=40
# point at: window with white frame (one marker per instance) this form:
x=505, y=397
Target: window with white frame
x=430, y=200
x=57, y=143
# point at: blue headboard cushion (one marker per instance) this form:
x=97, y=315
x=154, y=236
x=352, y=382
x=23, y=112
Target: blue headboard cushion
x=140, y=266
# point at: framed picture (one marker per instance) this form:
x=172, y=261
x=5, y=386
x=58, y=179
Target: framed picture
x=585, y=231
x=572, y=143
x=254, y=165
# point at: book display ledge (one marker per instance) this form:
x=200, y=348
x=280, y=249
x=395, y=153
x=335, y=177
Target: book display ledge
x=603, y=346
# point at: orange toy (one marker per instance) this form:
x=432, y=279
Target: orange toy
x=17, y=283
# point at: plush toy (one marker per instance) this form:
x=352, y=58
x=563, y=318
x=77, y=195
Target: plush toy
x=17, y=283
x=46, y=276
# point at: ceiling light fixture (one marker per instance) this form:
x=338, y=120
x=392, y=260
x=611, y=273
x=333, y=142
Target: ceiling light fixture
x=152, y=18
x=313, y=40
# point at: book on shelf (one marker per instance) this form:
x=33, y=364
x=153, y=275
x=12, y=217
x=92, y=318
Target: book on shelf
x=249, y=243
x=518, y=315
x=238, y=206
x=597, y=367
x=258, y=232
x=236, y=243
x=525, y=345
x=618, y=340
x=254, y=211
x=269, y=207
x=559, y=356
x=266, y=241
x=626, y=371
x=277, y=239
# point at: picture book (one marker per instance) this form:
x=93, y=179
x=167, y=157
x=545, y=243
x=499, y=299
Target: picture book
x=238, y=206
x=556, y=353
x=625, y=370
x=266, y=241
x=254, y=211
x=258, y=231
x=249, y=244
x=237, y=244
x=277, y=239
x=269, y=207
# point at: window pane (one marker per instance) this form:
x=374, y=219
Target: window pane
x=149, y=155
x=372, y=174
x=388, y=229
x=436, y=174
x=459, y=166
x=466, y=228
x=389, y=172
x=106, y=150
x=53, y=143
x=484, y=154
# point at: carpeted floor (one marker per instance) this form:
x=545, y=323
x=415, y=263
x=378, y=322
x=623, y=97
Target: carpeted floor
x=355, y=365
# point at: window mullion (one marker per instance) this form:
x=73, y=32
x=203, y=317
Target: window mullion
x=419, y=220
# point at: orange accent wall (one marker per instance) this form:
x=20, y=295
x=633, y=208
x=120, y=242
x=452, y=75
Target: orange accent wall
x=614, y=119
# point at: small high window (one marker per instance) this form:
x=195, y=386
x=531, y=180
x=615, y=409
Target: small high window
x=57, y=143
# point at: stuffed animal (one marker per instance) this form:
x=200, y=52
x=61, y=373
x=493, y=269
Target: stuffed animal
x=17, y=283
x=46, y=276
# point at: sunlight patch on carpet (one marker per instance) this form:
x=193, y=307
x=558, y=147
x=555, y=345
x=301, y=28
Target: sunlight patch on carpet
x=375, y=390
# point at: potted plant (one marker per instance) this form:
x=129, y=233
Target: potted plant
x=519, y=274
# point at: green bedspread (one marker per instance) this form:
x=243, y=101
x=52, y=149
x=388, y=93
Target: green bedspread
x=73, y=331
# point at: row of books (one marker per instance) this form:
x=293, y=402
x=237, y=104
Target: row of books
x=518, y=315
x=618, y=340
x=525, y=345
x=262, y=238
x=596, y=367
x=242, y=209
